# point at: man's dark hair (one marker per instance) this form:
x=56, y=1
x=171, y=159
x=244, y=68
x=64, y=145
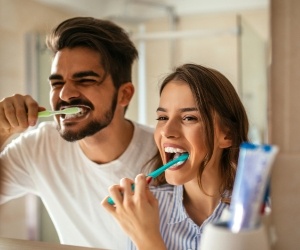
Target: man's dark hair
x=112, y=43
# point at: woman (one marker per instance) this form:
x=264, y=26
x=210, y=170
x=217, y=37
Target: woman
x=199, y=113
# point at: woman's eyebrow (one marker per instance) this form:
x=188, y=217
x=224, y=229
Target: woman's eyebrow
x=189, y=109
x=160, y=109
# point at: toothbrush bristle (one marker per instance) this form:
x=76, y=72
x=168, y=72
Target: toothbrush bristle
x=73, y=110
x=178, y=163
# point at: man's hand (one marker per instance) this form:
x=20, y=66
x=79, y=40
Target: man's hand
x=17, y=113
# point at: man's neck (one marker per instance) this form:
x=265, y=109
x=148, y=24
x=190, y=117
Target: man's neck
x=109, y=143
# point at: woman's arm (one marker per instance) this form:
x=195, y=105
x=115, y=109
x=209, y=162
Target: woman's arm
x=136, y=212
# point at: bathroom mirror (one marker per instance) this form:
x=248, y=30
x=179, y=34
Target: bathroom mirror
x=232, y=38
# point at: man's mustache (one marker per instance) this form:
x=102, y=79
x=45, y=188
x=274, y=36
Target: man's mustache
x=75, y=102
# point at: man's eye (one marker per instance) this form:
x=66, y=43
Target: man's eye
x=162, y=118
x=87, y=81
x=56, y=84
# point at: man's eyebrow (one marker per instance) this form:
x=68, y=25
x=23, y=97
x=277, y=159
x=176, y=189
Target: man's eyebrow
x=85, y=73
x=55, y=77
x=76, y=75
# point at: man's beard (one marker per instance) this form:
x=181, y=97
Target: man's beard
x=93, y=127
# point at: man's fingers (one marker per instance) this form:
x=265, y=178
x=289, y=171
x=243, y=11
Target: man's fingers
x=32, y=110
x=18, y=111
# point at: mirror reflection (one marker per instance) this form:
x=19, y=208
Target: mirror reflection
x=233, y=40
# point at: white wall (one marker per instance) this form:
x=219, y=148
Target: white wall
x=17, y=17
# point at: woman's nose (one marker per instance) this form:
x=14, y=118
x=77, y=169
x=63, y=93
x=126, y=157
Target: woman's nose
x=68, y=92
x=170, y=130
x=166, y=135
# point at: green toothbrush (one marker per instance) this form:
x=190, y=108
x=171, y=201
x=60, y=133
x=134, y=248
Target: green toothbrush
x=67, y=111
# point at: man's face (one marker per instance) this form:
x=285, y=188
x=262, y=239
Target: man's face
x=78, y=79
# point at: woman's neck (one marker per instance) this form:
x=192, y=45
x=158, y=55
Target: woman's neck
x=201, y=203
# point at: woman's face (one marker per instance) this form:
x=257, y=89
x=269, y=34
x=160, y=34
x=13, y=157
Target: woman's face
x=180, y=129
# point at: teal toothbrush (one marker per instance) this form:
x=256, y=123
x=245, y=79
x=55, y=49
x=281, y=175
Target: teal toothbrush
x=182, y=158
x=67, y=111
x=179, y=160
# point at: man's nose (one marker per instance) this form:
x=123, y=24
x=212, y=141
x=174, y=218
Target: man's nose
x=69, y=91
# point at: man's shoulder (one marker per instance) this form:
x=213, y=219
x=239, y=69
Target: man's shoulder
x=143, y=128
x=43, y=131
x=47, y=124
x=47, y=127
x=143, y=136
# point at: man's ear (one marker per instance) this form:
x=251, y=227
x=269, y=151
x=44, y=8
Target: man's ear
x=126, y=92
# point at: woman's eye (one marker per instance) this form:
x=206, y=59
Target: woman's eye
x=190, y=118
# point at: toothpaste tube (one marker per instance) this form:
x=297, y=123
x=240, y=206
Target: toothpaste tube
x=251, y=182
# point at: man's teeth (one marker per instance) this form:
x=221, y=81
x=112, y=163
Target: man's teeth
x=74, y=115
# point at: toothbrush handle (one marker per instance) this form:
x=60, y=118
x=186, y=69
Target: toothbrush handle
x=160, y=170
x=44, y=113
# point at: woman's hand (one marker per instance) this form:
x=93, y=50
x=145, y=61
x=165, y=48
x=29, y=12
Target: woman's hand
x=136, y=212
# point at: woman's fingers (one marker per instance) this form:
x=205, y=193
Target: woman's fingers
x=116, y=195
x=141, y=186
x=130, y=194
x=128, y=187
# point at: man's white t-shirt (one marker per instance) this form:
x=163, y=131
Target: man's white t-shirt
x=70, y=185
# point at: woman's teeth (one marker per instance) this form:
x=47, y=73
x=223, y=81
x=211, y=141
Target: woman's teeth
x=173, y=153
x=173, y=150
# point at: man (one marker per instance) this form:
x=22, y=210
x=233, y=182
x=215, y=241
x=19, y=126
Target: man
x=91, y=69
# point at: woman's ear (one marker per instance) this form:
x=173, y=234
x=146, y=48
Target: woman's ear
x=126, y=92
x=226, y=142
x=224, y=138
x=223, y=135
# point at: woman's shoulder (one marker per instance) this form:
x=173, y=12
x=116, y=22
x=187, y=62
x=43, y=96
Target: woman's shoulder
x=168, y=196
x=162, y=188
x=163, y=191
